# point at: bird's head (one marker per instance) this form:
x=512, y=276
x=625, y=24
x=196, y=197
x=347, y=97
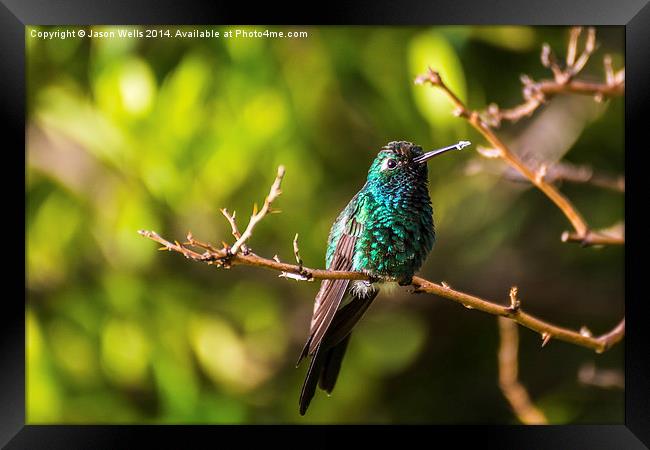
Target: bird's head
x=401, y=163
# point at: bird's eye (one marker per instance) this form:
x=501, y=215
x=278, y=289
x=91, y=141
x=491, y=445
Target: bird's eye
x=391, y=163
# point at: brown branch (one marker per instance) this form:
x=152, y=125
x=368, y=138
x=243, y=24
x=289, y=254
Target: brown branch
x=563, y=82
x=223, y=258
x=612, y=235
x=512, y=389
x=615, y=336
x=545, y=329
x=501, y=150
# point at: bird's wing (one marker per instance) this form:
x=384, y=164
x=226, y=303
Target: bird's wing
x=331, y=292
x=347, y=317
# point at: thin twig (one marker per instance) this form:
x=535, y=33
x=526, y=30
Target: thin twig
x=612, y=235
x=572, y=173
x=512, y=389
x=257, y=216
x=302, y=275
x=296, y=251
x=177, y=247
x=563, y=82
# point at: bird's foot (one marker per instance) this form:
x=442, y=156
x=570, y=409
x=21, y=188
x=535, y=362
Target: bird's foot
x=405, y=281
x=372, y=278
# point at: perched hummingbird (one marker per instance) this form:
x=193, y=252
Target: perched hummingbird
x=386, y=231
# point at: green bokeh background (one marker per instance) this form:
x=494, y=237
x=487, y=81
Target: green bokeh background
x=158, y=134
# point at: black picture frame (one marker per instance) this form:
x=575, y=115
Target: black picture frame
x=633, y=14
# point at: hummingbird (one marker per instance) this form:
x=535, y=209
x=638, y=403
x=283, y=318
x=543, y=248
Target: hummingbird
x=386, y=231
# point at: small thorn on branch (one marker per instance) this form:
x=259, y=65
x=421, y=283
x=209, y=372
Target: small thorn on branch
x=546, y=337
x=540, y=174
x=515, y=303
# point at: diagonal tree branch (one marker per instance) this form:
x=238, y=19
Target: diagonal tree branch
x=582, y=232
x=503, y=152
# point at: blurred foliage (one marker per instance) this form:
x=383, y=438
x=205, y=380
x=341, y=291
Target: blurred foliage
x=128, y=134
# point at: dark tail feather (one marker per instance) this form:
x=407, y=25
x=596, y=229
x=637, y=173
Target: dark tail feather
x=313, y=374
x=304, y=353
x=326, y=363
x=332, y=366
x=323, y=371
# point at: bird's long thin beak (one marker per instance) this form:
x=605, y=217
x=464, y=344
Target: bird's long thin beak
x=428, y=155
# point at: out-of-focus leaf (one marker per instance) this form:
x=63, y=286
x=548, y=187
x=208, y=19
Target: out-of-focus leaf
x=515, y=38
x=125, y=353
x=431, y=49
x=127, y=90
x=46, y=253
x=43, y=403
x=389, y=342
x=74, y=353
x=223, y=355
